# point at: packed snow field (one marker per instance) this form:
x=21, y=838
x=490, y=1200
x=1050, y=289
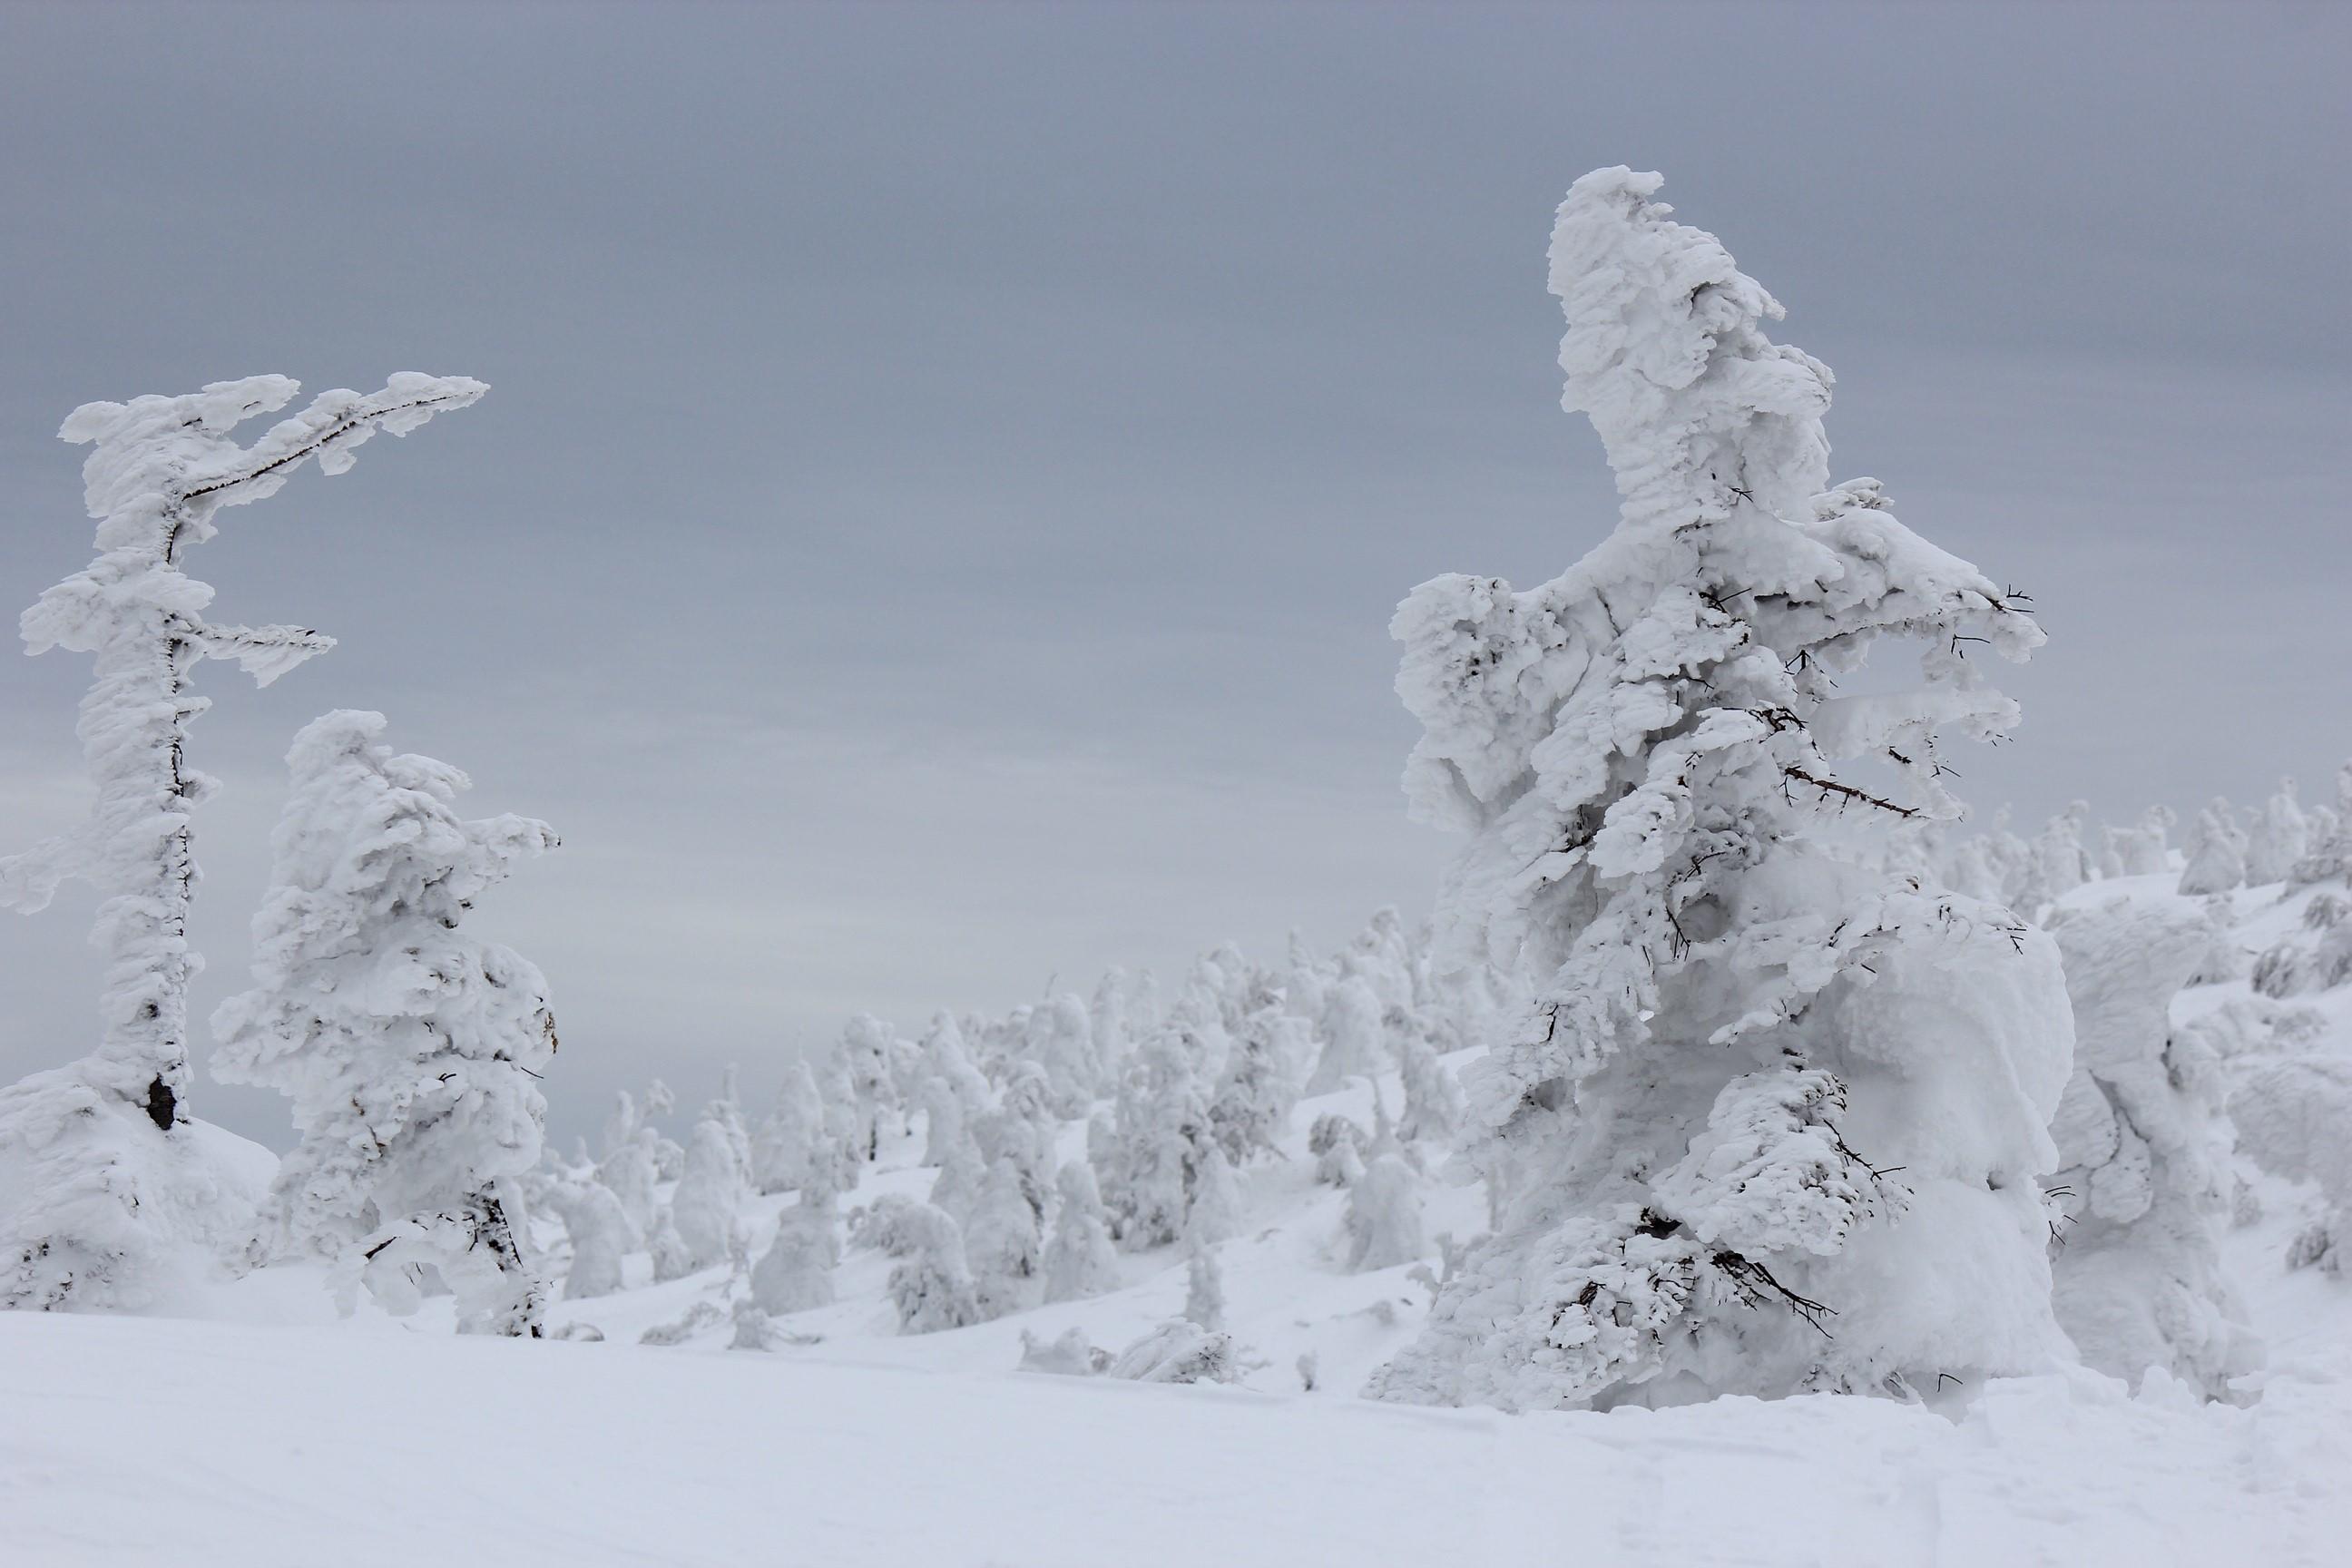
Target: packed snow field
x=1740, y=1134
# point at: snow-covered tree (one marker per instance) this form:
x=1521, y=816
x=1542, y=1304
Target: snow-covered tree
x=1256, y=1093
x=1351, y=1035
x=2275, y=838
x=621, y=1126
x=1744, y=1024
x=796, y=1271
x=710, y=1195
x=952, y=1094
x=2328, y=852
x=628, y=1172
x=673, y=1259
x=1003, y=1247
x=1079, y=1259
x=2216, y=853
x=1383, y=1217
x=411, y=1051
x=1162, y=1122
x=1433, y=1101
x=601, y=1237
x=98, y=1188
x=2294, y=1117
x=2144, y=1156
x=2058, y=854
x=930, y=1283
x=1060, y=1041
x=789, y=1144
x=1017, y=1131
x=867, y=1053
x=1214, y=1209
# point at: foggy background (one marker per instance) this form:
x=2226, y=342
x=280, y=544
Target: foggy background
x=948, y=470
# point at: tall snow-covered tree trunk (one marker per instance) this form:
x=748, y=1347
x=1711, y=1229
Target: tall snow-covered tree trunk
x=1775, y=1121
x=162, y=467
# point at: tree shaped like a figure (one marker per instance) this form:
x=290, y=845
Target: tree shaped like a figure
x=96, y=1164
x=412, y=1051
x=1776, y=1119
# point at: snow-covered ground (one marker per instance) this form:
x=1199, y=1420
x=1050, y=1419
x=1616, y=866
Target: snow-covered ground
x=194, y=1442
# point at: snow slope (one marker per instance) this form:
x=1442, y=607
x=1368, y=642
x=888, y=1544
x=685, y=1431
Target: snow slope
x=307, y=1445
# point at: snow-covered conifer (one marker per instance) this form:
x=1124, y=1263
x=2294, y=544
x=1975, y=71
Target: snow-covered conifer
x=710, y=1195
x=1384, y=1215
x=2059, y=858
x=789, y=1142
x=99, y=1190
x=867, y=1054
x=930, y=1283
x=2294, y=1117
x=628, y=1172
x=963, y=1171
x=673, y=1259
x=727, y=1110
x=1003, y=1247
x=1433, y=1101
x=601, y=1237
x=1214, y=1209
x=1079, y=1259
x=836, y=1093
x=1256, y=1094
x=952, y=1094
x=1018, y=1131
x=621, y=1126
x=1060, y=1041
x=2275, y=838
x=412, y=1052
x=2216, y=852
x=796, y=1271
x=2144, y=1152
x=1162, y=1129
x=2328, y=850
x=1337, y=1145
x=1676, y=819
x=1352, y=1033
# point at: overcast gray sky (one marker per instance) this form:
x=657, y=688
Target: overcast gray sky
x=948, y=470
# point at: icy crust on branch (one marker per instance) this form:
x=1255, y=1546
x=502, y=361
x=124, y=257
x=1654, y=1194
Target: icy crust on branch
x=2145, y=1175
x=160, y=472
x=1682, y=827
x=411, y=1052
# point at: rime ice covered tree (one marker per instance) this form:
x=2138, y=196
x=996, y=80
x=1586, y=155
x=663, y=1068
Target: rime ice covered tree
x=93, y=1146
x=2146, y=1177
x=412, y=1052
x=1744, y=1022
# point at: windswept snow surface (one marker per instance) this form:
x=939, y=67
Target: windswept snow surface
x=152, y=1441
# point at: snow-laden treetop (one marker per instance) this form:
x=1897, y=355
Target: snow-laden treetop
x=1732, y=548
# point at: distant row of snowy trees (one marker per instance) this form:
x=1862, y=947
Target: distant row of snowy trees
x=1059, y=1135
x=2282, y=840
